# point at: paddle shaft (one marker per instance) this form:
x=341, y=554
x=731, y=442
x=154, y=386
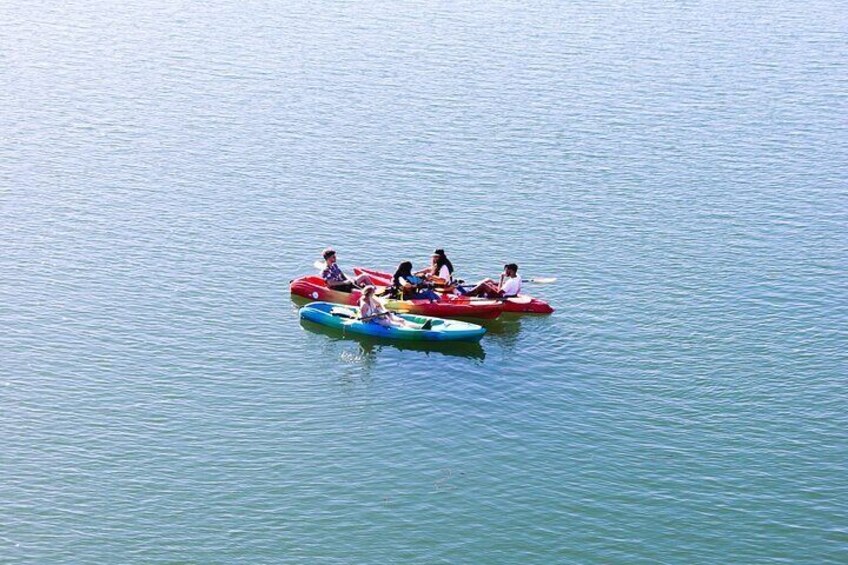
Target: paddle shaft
x=380, y=315
x=540, y=280
x=321, y=265
x=365, y=319
x=369, y=318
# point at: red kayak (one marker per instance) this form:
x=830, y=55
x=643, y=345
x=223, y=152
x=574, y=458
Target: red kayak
x=313, y=287
x=520, y=304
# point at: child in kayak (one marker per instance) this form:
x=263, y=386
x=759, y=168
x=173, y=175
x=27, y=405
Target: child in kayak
x=508, y=286
x=372, y=310
x=336, y=279
x=411, y=286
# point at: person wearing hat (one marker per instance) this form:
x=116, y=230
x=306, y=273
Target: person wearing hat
x=372, y=310
x=335, y=277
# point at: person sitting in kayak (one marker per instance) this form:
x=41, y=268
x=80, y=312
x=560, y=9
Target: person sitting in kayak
x=440, y=271
x=372, y=310
x=508, y=286
x=335, y=277
x=410, y=286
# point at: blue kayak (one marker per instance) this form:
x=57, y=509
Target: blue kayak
x=419, y=328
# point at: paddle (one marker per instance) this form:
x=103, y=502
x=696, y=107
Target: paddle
x=369, y=318
x=321, y=265
x=343, y=314
x=537, y=280
x=428, y=325
x=520, y=299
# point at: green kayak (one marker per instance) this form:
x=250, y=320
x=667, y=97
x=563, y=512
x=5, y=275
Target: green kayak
x=419, y=328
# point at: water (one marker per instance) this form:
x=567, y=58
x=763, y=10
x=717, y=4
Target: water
x=166, y=168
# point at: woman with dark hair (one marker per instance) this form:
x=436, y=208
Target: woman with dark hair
x=440, y=271
x=410, y=285
x=442, y=268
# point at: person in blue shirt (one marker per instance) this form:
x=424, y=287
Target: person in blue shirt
x=335, y=277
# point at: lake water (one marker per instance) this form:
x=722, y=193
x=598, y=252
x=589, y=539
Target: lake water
x=167, y=167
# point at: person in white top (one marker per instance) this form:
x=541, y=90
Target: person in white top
x=508, y=286
x=440, y=271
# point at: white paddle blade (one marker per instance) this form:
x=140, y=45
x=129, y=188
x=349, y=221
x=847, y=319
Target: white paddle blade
x=540, y=280
x=320, y=265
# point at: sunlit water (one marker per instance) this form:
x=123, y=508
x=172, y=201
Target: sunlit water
x=166, y=168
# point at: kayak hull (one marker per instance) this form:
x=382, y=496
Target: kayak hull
x=524, y=304
x=346, y=319
x=521, y=304
x=313, y=287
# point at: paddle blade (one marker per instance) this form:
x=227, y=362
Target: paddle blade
x=320, y=265
x=540, y=280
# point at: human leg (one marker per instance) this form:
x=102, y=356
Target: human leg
x=427, y=294
x=397, y=321
x=343, y=287
x=485, y=288
x=363, y=280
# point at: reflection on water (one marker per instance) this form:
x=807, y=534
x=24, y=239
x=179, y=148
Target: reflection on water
x=370, y=346
x=506, y=325
x=300, y=301
x=504, y=331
